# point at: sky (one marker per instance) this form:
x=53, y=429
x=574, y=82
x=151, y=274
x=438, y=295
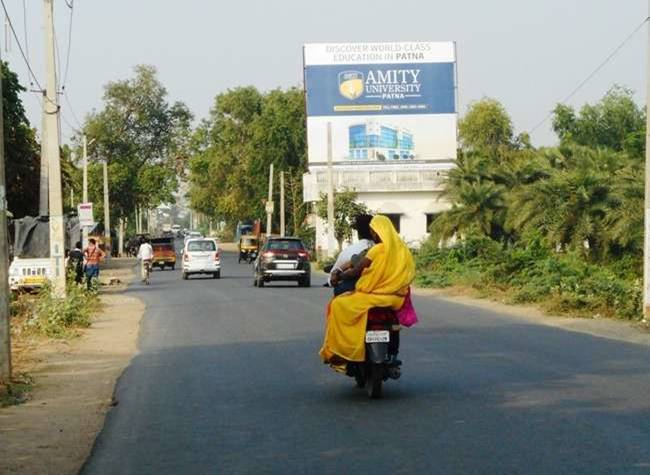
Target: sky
x=527, y=54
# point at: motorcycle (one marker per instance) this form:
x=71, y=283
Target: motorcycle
x=382, y=345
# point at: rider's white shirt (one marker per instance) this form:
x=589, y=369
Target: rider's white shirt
x=145, y=252
x=347, y=253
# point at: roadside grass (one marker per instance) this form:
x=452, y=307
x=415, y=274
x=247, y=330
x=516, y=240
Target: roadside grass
x=560, y=283
x=44, y=314
x=16, y=391
x=38, y=317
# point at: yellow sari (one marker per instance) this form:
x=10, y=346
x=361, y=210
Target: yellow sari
x=383, y=284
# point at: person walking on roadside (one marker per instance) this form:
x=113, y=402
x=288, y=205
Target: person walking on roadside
x=76, y=262
x=145, y=254
x=93, y=255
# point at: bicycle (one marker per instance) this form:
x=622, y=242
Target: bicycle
x=147, y=272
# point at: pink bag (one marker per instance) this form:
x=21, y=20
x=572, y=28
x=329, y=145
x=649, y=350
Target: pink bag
x=406, y=315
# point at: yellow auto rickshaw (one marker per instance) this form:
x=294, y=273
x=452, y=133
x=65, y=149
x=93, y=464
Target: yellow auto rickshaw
x=248, y=248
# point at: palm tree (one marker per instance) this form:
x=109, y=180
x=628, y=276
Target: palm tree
x=476, y=205
x=568, y=208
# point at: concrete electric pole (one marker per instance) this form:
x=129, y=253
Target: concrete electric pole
x=646, y=234
x=51, y=138
x=43, y=189
x=269, y=203
x=107, y=212
x=282, y=230
x=330, y=195
x=84, y=191
x=5, y=335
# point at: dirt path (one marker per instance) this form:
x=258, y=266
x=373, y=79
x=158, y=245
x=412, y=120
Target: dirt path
x=53, y=433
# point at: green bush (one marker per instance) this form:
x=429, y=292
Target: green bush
x=533, y=273
x=55, y=317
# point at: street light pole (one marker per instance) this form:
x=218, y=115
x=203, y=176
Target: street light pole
x=282, y=230
x=646, y=234
x=269, y=203
x=107, y=214
x=330, y=195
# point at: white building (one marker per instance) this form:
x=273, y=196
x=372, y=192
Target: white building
x=410, y=194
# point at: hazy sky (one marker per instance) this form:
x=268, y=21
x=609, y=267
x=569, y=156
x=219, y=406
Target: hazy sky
x=527, y=54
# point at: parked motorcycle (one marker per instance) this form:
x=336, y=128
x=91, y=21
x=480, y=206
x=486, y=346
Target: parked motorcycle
x=382, y=345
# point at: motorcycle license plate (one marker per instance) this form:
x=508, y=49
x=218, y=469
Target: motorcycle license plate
x=377, y=336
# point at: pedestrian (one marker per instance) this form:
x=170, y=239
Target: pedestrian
x=76, y=263
x=93, y=255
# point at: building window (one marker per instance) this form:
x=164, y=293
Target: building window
x=431, y=217
x=395, y=219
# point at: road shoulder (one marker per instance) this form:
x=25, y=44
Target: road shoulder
x=54, y=431
x=622, y=330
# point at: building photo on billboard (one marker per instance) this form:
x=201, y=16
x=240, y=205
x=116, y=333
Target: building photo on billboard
x=391, y=113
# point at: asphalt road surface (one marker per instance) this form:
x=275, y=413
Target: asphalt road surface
x=228, y=381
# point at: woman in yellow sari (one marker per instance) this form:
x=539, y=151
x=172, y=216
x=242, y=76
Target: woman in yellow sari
x=388, y=270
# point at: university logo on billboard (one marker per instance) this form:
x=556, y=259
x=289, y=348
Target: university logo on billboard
x=351, y=84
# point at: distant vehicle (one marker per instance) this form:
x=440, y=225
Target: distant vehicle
x=166, y=228
x=164, y=254
x=248, y=249
x=283, y=259
x=193, y=235
x=176, y=229
x=201, y=256
x=29, y=274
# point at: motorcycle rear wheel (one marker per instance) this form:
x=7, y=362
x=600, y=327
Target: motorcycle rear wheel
x=374, y=380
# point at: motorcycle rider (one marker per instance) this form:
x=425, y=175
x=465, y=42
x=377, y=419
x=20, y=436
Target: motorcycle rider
x=351, y=255
x=145, y=254
x=385, y=273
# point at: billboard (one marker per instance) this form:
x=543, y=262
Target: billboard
x=386, y=102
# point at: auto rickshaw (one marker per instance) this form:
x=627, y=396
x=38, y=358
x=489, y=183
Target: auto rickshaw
x=248, y=248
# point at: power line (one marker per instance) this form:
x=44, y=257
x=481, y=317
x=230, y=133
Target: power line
x=20, y=47
x=25, y=28
x=74, y=116
x=593, y=73
x=67, y=59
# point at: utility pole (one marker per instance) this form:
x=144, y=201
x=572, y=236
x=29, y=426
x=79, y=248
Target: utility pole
x=5, y=334
x=330, y=195
x=107, y=213
x=282, y=231
x=646, y=234
x=43, y=198
x=51, y=110
x=269, y=203
x=84, y=191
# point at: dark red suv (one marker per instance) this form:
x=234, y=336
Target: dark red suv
x=283, y=258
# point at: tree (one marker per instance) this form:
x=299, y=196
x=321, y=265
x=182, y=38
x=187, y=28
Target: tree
x=246, y=132
x=486, y=126
x=22, y=151
x=142, y=136
x=615, y=122
x=346, y=208
x=570, y=206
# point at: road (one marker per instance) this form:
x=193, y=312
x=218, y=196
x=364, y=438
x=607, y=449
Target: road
x=228, y=381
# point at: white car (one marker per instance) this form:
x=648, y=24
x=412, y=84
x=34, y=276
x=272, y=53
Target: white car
x=201, y=256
